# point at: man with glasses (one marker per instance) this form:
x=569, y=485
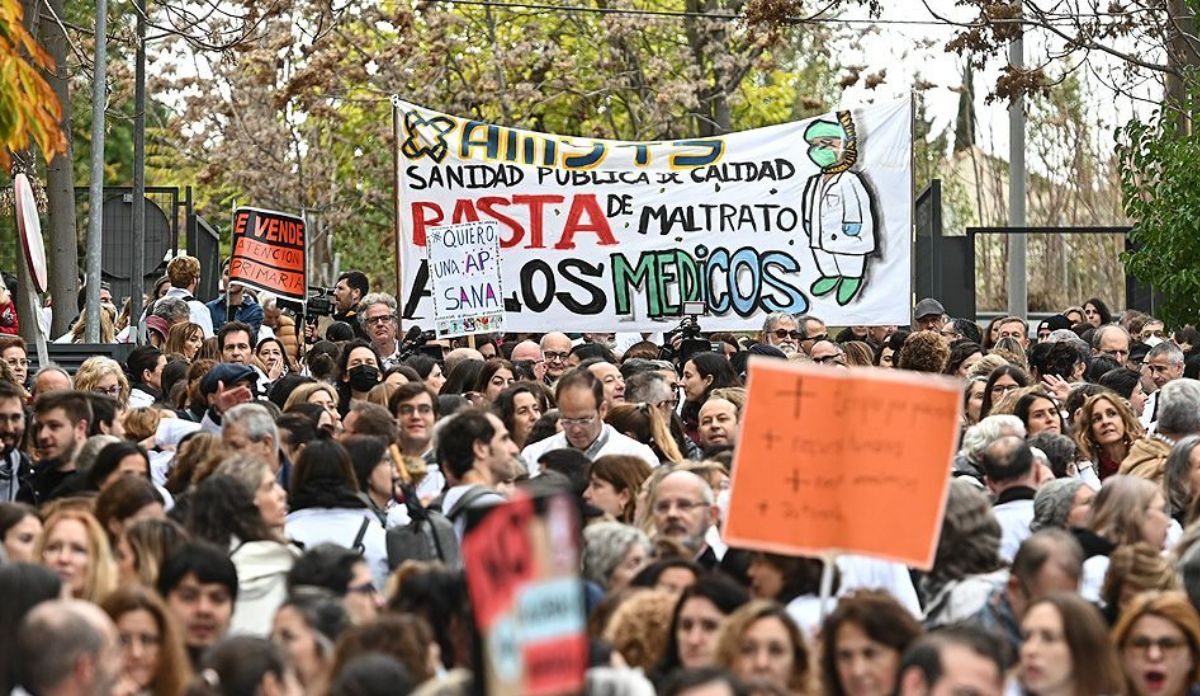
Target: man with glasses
x=828, y=353
x=377, y=315
x=582, y=408
x=1111, y=340
x=416, y=410
x=929, y=315
x=782, y=331
x=685, y=512
x=556, y=346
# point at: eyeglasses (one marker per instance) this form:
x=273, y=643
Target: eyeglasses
x=365, y=588
x=409, y=409
x=113, y=391
x=669, y=403
x=1143, y=644
x=818, y=337
x=784, y=333
x=1004, y=388
x=663, y=507
x=577, y=422
x=382, y=319
x=553, y=356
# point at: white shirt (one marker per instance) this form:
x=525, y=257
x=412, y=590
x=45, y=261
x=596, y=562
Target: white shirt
x=200, y=313
x=312, y=526
x=1014, y=517
x=609, y=442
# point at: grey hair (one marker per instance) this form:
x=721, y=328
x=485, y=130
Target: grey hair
x=775, y=317
x=1098, y=334
x=605, y=545
x=72, y=627
x=54, y=367
x=1052, y=504
x=1060, y=335
x=1179, y=407
x=267, y=300
x=244, y=468
x=643, y=386
x=1166, y=349
x=256, y=419
x=987, y=431
x=90, y=449
x=375, y=298
x=803, y=320
x=170, y=308
x=1175, y=475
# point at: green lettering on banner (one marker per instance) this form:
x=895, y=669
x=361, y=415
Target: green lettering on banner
x=625, y=278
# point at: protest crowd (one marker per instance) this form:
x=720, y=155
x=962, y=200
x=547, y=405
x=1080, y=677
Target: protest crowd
x=248, y=507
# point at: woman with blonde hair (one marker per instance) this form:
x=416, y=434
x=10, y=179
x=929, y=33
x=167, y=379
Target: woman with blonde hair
x=76, y=548
x=1105, y=429
x=643, y=423
x=640, y=627
x=761, y=641
x=319, y=393
x=108, y=333
x=144, y=546
x=184, y=339
x=1132, y=570
x=1127, y=510
x=155, y=659
x=103, y=376
x=1158, y=641
x=614, y=481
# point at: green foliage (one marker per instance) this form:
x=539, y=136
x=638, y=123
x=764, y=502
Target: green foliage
x=1161, y=186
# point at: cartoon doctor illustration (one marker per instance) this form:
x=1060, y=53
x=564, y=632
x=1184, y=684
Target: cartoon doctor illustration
x=837, y=209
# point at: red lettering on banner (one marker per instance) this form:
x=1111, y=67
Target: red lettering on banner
x=281, y=282
x=555, y=666
x=585, y=204
x=499, y=558
x=239, y=223
x=280, y=257
x=420, y=221
x=487, y=206
x=464, y=211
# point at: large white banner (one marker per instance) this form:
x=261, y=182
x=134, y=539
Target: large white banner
x=809, y=217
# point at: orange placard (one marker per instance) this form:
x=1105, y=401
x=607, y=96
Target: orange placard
x=269, y=252
x=854, y=461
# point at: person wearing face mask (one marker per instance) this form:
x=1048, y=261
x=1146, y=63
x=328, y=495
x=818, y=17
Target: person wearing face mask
x=358, y=372
x=837, y=209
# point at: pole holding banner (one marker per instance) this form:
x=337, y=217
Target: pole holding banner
x=828, y=568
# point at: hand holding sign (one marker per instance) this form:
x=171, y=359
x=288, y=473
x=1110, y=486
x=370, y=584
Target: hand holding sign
x=842, y=460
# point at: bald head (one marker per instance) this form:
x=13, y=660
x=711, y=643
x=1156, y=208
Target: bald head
x=556, y=346
x=459, y=355
x=684, y=508
x=1007, y=462
x=86, y=658
x=719, y=423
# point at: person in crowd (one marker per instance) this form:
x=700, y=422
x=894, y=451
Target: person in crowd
x=23, y=586
x=1039, y=413
x=953, y=660
x=580, y=399
x=1096, y=312
x=273, y=359
x=20, y=531
x=1127, y=510
x=645, y=424
x=306, y=627
x=376, y=473
x=358, y=372
x=495, y=376
x=124, y=503
x=68, y=647
x=862, y=641
x=248, y=665
x=719, y=423
x=1062, y=504
x=184, y=274
x=377, y=313
x=142, y=548
x=1105, y=429
x=1158, y=639
x=1165, y=364
x=614, y=482
x=15, y=464
x=416, y=409
x=235, y=304
x=325, y=506
x=76, y=548
x=556, y=347
x=520, y=406
x=963, y=356
x=155, y=661
x=703, y=681
x=782, y=331
x=282, y=325
x=1064, y=649
x=1178, y=407
x=696, y=623
x=924, y=351
x=967, y=566
x=249, y=429
x=684, y=510
x=145, y=365
x=613, y=553
x=1000, y=382
x=199, y=584
x=610, y=378
x=1132, y=570
x=1181, y=479
x=341, y=572
x=235, y=341
x=477, y=455
x=701, y=375
x=1010, y=476
x=761, y=641
x=1113, y=341
x=928, y=315
x=103, y=375
x=12, y=353
x=794, y=582
x=1127, y=384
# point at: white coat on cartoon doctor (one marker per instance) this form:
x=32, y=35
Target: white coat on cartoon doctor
x=837, y=210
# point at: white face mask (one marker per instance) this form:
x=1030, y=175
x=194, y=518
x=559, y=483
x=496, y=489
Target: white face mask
x=1153, y=341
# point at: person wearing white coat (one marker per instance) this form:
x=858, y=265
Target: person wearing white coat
x=326, y=507
x=837, y=209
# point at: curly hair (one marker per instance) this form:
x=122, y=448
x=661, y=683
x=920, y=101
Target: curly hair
x=1083, y=423
x=406, y=637
x=924, y=351
x=96, y=368
x=969, y=542
x=639, y=627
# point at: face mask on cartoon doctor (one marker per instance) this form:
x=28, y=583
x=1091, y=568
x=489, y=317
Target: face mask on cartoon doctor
x=823, y=156
x=825, y=140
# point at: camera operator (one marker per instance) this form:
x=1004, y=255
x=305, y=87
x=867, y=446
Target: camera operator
x=351, y=288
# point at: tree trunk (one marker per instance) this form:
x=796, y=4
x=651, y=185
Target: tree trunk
x=60, y=185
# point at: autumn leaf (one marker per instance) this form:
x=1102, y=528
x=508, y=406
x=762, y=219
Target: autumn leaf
x=29, y=110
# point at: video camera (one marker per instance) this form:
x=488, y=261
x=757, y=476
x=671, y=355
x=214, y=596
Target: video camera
x=320, y=304
x=688, y=333
x=415, y=342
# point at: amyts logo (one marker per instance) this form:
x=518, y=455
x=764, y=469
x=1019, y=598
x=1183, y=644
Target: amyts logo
x=416, y=147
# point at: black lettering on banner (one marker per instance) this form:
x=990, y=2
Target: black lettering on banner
x=595, y=304
x=420, y=288
x=537, y=304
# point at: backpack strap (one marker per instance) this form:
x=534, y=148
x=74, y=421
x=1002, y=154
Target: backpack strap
x=358, y=538
x=474, y=493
